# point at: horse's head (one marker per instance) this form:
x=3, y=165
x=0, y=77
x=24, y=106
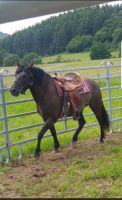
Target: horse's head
x=23, y=81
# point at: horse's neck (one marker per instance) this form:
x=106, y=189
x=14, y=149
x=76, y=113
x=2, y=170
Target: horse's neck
x=39, y=90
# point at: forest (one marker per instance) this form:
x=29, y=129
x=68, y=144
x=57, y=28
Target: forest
x=74, y=31
x=3, y=35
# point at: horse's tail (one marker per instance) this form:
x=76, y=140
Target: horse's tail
x=105, y=118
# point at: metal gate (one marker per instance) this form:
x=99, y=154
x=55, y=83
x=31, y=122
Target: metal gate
x=5, y=130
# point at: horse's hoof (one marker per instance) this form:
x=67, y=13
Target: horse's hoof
x=101, y=141
x=56, y=151
x=74, y=143
x=37, y=155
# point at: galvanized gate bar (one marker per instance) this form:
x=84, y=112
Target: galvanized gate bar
x=4, y=118
x=109, y=94
x=5, y=124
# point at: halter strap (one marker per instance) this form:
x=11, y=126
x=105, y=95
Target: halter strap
x=17, y=83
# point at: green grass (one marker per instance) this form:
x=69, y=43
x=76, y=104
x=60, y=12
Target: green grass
x=89, y=170
x=79, y=59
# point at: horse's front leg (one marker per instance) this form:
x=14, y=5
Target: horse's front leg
x=56, y=142
x=47, y=125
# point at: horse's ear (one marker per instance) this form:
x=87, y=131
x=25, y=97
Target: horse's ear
x=19, y=68
x=18, y=65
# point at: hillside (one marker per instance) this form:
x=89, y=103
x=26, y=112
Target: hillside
x=56, y=34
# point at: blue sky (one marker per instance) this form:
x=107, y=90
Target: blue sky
x=12, y=27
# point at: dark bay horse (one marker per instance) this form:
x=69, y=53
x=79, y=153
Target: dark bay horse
x=50, y=104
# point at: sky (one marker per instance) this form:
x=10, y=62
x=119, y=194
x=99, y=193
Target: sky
x=13, y=27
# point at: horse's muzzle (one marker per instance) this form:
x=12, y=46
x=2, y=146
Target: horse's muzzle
x=14, y=91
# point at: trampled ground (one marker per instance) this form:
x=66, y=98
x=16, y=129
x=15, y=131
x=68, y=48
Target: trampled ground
x=86, y=170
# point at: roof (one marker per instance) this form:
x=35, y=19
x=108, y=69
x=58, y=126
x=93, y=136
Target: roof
x=18, y=10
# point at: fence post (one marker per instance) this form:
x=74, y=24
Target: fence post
x=107, y=65
x=5, y=124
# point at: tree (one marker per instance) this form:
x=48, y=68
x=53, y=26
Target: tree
x=2, y=55
x=117, y=36
x=31, y=57
x=99, y=51
x=103, y=35
x=74, y=44
x=53, y=35
x=10, y=59
x=79, y=43
x=119, y=47
x=37, y=60
x=86, y=41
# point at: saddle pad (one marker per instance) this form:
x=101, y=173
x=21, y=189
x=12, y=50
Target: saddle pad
x=58, y=87
x=84, y=88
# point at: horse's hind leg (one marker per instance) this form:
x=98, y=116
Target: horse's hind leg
x=53, y=132
x=81, y=122
x=97, y=111
x=102, y=135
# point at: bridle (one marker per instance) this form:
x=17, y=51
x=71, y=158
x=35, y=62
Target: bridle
x=20, y=86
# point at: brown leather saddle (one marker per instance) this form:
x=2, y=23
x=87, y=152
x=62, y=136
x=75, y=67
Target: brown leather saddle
x=70, y=81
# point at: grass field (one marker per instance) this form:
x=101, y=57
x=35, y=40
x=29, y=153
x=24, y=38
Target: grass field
x=73, y=177
x=30, y=106
x=89, y=170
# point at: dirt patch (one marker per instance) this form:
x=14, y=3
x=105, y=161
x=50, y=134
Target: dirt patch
x=28, y=171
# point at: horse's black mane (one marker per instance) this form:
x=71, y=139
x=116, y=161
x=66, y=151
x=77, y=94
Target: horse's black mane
x=38, y=74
